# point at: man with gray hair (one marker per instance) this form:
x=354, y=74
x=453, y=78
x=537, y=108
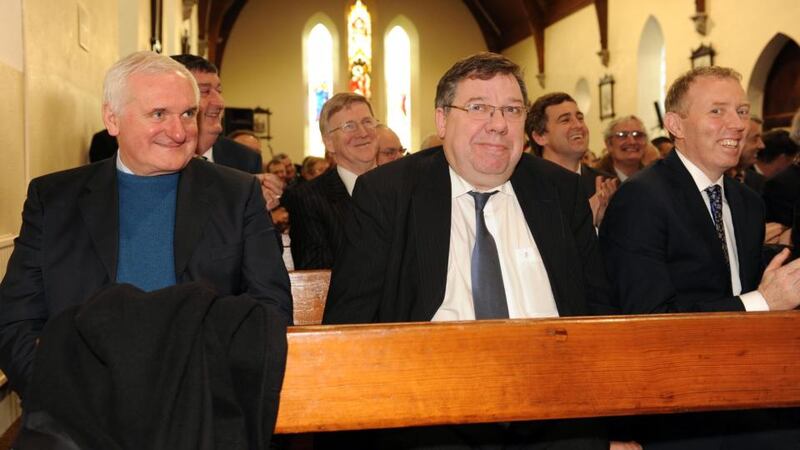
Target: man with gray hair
x=626, y=143
x=682, y=237
x=153, y=217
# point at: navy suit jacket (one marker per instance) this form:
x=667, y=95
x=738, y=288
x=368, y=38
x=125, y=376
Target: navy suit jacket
x=68, y=245
x=661, y=249
x=233, y=154
x=393, y=265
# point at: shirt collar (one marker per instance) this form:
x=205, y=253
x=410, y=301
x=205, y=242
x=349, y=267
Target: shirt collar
x=348, y=178
x=460, y=186
x=121, y=165
x=700, y=179
x=209, y=154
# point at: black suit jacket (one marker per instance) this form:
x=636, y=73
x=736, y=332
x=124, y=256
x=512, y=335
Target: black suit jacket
x=67, y=247
x=588, y=176
x=782, y=196
x=661, y=249
x=317, y=212
x=393, y=266
x=233, y=154
x=754, y=179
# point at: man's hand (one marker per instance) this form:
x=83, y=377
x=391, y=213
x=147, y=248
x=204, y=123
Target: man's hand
x=630, y=445
x=777, y=233
x=271, y=189
x=604, y=190
x=780, y=284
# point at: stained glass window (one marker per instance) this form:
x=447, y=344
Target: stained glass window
x=319, y=68
x=359, y=49
x=397, y=54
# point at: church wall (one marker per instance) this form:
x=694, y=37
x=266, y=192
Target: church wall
x=63, y=81
x=262, y=65
x=738, y=32
x=12, y=138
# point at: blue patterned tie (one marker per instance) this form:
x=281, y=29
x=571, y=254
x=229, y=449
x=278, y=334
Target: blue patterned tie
x=715, y=199
x=488, y=293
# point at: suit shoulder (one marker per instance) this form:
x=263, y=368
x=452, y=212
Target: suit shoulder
x=220, y=173
x=406, y=170
x=541, y=167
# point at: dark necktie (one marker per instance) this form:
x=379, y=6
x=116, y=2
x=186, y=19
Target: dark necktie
x=715, y=199
x=488, y=293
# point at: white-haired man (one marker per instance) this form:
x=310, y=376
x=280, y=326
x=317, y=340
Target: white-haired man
x=154, y=216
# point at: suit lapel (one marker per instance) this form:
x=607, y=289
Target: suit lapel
x=194, y=203
x=334, y=189
x=431, y=206
x=99, y=206
x=537, y=200
x=691, y=200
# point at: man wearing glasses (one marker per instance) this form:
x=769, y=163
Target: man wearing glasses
x=389, y=146
x=625, y=141
x=472, y=229
x=318, y=209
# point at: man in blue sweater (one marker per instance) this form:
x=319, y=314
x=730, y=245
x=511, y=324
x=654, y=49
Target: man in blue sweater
x=154, y=216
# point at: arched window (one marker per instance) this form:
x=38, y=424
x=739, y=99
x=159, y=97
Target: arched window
x=397, y=68
x=318, y=58
x=359, y=49
x=652, y=71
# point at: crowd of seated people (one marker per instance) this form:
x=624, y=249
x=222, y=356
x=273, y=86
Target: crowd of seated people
x=469, y=227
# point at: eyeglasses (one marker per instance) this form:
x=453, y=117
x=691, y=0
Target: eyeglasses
x=392, y=151
x=479, y=111
x=622, y=135
x=351, y=126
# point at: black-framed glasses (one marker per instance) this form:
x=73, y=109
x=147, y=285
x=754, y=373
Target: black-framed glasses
x=392, y=151
x=349, y=127
x=622, y=135
x=480, y=111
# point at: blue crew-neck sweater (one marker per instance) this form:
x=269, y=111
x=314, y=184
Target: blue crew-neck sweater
x=147, y=230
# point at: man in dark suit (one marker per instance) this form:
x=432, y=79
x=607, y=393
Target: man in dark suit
x=471, y=230
x=210, y=143
x=153, y=216
x=681, y=237
x=558, y=133
x=318, y=209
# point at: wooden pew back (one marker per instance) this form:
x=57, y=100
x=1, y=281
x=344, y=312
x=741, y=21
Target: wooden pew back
x=376, y=376
x=309, y=291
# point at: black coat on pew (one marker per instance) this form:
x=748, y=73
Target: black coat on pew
x=177, y=368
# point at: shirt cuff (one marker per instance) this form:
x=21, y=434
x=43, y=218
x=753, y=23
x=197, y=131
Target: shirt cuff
x=754, y=301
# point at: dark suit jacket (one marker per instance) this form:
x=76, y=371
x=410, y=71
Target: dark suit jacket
x=233, y=154
x=661, y=249
x=588, y=176
x=317, y=213
x=67, y=247
x=754, y=179
x=110, y=359
x=393, y=267
x=103, y=146
x=782, y=196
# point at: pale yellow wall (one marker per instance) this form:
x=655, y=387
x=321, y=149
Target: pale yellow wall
x=12, y=142
x=63, y=82
x=134, y=26
x=739, y=31
x=263, y=58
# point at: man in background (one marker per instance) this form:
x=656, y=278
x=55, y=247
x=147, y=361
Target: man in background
x=558, y=133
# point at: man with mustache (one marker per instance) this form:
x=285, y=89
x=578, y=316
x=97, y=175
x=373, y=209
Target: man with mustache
x=473, y=229
x=682, y=237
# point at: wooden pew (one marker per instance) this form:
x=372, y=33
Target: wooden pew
x=309, y=291
x=377, y=376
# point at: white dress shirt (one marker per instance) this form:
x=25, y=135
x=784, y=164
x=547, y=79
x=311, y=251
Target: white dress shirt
x=753, y=301
x=209, y=154
x=348, y=178
x=525, y=280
